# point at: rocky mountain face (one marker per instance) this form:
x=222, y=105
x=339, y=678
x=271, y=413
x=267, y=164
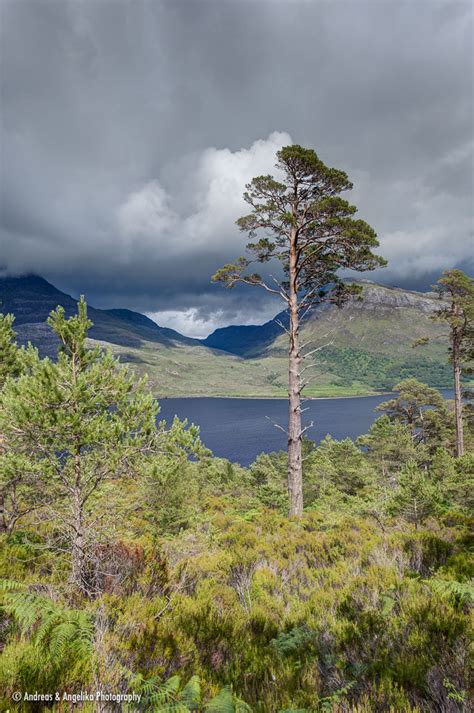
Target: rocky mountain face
x=387, y=299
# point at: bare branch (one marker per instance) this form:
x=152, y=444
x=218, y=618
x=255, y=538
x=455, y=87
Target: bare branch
x=306, y=428
x=285, y=329
x=277, y=425
x=283, y=292
x=260, y=283
x=318, y=349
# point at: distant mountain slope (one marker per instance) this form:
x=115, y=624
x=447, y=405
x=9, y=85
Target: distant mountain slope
x=246, y=340
x=377, y=300
x=369, y=339
x=31, y=298
x=367, y=344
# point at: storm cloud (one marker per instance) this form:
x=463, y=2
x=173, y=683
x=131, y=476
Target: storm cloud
x=130, y=128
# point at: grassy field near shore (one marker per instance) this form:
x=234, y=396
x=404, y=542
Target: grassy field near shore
x=198, y=371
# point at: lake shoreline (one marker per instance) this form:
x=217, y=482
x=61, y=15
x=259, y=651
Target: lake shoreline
x=281, y=398
x=368, y=395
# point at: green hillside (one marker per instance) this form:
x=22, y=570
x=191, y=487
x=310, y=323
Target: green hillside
x=366, y=347
x=197, y=371
x=371, y=340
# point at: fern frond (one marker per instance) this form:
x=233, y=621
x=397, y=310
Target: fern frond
x=29, y=609
x=191, y=693
x=452, y=589
x=222, y=703
x=146, y=686
x=226, y=702
x=8, y=585
x=159, y=694
x=61, y=638
x=55, y=630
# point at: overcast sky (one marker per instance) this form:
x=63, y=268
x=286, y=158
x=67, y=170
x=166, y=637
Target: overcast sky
x=128, y=131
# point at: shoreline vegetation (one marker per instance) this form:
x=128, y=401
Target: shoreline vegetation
x=284, y=398
x=160, y=397
x=272, y=398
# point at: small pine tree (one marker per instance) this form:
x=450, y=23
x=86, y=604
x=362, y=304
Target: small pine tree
x=342, y=465
x=73, y=426
x=416, y=496
x=459, y=486
x=9, y=360
x=443, y=466
x=389, y=446
x=423, y=411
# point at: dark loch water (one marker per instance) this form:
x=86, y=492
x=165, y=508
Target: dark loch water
x=240, y=429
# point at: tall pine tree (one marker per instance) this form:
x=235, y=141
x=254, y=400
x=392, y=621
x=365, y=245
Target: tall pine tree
x=310, y=230
x=457, y=289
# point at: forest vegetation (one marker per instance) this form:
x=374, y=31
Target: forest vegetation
x=136, y=562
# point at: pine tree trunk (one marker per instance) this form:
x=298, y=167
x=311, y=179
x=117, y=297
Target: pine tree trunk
x=78, y=553
x=295, y=474
x=78, y=574
x=458, y=397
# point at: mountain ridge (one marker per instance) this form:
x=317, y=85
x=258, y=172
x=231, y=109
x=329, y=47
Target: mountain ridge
x=31, y=298
x=366, y=346
x=252, y=340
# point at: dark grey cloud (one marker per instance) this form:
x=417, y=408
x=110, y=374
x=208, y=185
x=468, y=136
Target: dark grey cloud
x=129, y=128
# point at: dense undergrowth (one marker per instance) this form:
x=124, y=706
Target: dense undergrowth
x=192, y=588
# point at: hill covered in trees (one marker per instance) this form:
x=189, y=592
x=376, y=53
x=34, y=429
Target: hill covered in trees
x=145, y=574
x=368, y=344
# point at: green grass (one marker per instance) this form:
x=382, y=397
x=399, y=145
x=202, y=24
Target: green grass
x=197, y=371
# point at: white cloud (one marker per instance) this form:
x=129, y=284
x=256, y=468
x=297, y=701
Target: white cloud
x=146, y=212
x=215, y=181
x=193, y=323
x=186, y=321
